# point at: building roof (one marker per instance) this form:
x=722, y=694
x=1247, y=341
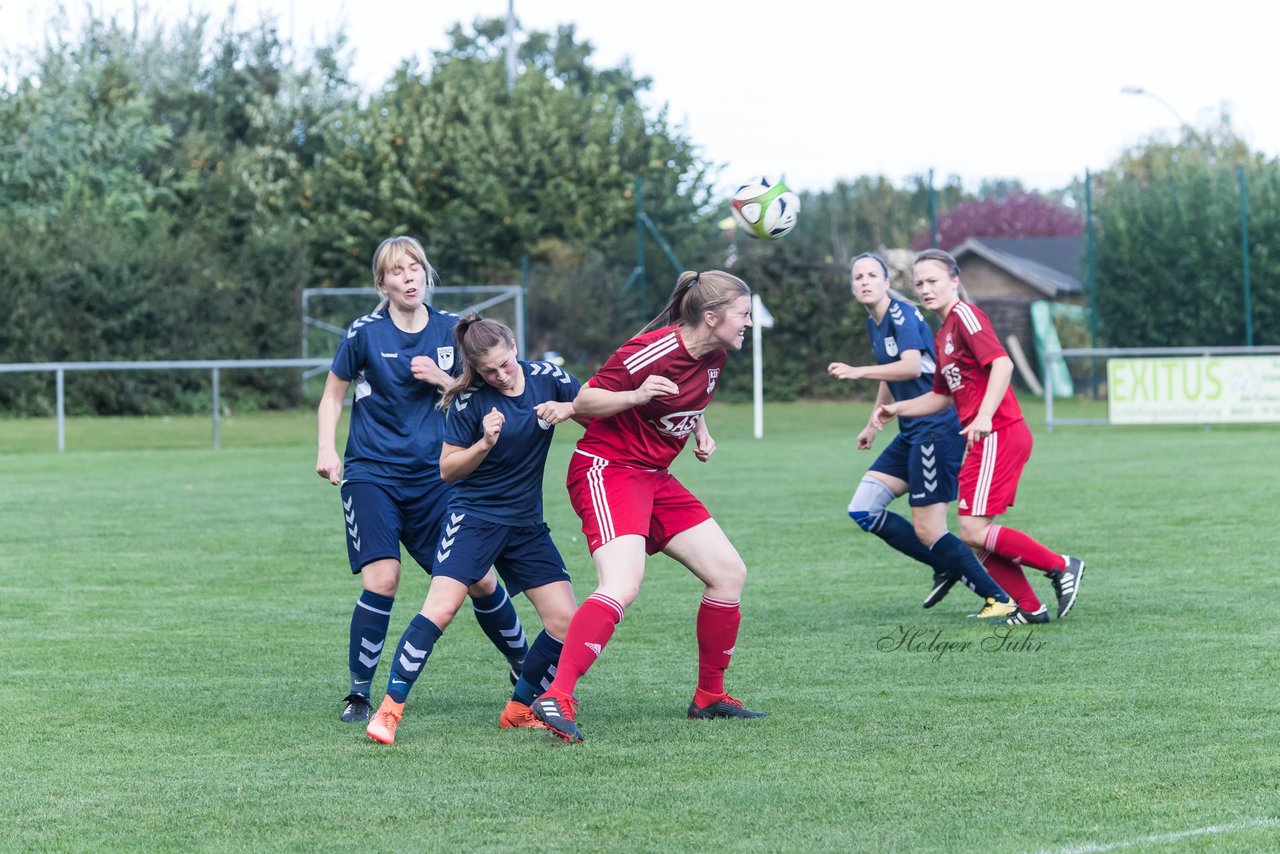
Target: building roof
x=1033, y=260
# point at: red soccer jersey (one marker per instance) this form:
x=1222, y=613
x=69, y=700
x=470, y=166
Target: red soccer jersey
x=653, y=434
x=965, y=345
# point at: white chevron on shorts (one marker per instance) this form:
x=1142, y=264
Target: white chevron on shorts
x=450, y=535
x=930, y=467
x=651, y=352
x=970, y=320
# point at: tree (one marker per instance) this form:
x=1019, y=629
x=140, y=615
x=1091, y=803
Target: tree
x=1018, y=214
x=484, y=174
x=1169, y=263
x=145, y=181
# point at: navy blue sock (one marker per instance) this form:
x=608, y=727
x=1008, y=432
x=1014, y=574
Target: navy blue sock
x=901, y=534
x=539, y=668
x=497, y=616
x=415, y=647
x=958, y=561
x=368, y=633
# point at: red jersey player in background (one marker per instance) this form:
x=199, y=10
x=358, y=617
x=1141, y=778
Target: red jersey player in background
x=974, y=371
x=646, y=402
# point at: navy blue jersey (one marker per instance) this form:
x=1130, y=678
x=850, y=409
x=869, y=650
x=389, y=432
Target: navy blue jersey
x=395, y=427
x=507, y=485
x=904, y=328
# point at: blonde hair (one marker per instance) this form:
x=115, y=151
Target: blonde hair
x=391, y=251
x=696, y=293
x=947, y=260
x=476, y=336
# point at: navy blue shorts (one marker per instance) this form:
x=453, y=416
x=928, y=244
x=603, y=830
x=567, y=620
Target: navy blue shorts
x=928, y=462
x=524, y=555
x=378, y=517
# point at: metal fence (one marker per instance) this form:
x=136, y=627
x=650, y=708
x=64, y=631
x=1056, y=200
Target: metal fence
x=1131, y=353
x=495, y=295
x=214, y=366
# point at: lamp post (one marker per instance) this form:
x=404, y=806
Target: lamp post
x=1138, y=90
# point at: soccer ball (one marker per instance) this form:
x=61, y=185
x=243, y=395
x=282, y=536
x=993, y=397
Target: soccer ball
x=765, y=208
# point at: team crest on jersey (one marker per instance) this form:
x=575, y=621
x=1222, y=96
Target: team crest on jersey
x=891, y=346
x=713, y=374
x=444, y=358
x=948, y=349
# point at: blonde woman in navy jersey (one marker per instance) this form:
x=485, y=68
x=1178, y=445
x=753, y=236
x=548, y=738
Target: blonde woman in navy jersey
x=399, y=357
x=646, y=402
x=501, y=417
x=974, y=372
x=923, y=460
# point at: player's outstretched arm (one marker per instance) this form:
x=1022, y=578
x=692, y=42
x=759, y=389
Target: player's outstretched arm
x=554, y=411
x=907, y=367
x=928, y=403
x=593, y=402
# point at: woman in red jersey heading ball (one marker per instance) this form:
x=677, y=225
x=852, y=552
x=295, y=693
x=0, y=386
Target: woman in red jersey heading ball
x=974, y=371
x=646, y=402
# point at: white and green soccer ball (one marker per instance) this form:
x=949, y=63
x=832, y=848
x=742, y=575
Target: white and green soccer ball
x=765, y=208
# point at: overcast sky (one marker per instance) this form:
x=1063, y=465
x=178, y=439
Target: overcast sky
x=823, y=89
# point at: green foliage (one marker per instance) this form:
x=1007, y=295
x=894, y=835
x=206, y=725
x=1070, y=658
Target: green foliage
x=1170, y=268
x=166, y=195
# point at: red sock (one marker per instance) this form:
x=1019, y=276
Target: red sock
x=1009, y=575
x=589, y=630
x=717, y=628
x=1015, y=545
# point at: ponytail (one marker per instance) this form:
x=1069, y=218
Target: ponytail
x=696, y=293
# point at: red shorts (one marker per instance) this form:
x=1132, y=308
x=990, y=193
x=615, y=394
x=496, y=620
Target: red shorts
x=614, y=500
x=990, y=472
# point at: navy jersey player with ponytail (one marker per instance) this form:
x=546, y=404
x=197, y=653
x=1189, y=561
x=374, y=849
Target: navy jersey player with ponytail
x=923, y=460
x=502, y=413
x=399, y=357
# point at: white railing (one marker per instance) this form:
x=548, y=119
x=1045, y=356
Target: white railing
x=214, y=366
x=1131, y=352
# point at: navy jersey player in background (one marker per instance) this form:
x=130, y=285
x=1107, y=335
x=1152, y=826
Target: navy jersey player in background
x=923, y=460
x=399, y=357
x=501, y=414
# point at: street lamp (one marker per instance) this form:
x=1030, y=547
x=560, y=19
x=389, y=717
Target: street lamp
x=1138, y=90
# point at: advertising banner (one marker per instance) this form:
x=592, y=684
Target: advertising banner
x=1193, y=390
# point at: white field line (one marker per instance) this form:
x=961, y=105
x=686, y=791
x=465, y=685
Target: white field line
x=1164, y=837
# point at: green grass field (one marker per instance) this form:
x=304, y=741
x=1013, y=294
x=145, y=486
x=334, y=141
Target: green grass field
x=173, y=628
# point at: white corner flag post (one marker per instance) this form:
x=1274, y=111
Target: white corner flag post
x=761, y=319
